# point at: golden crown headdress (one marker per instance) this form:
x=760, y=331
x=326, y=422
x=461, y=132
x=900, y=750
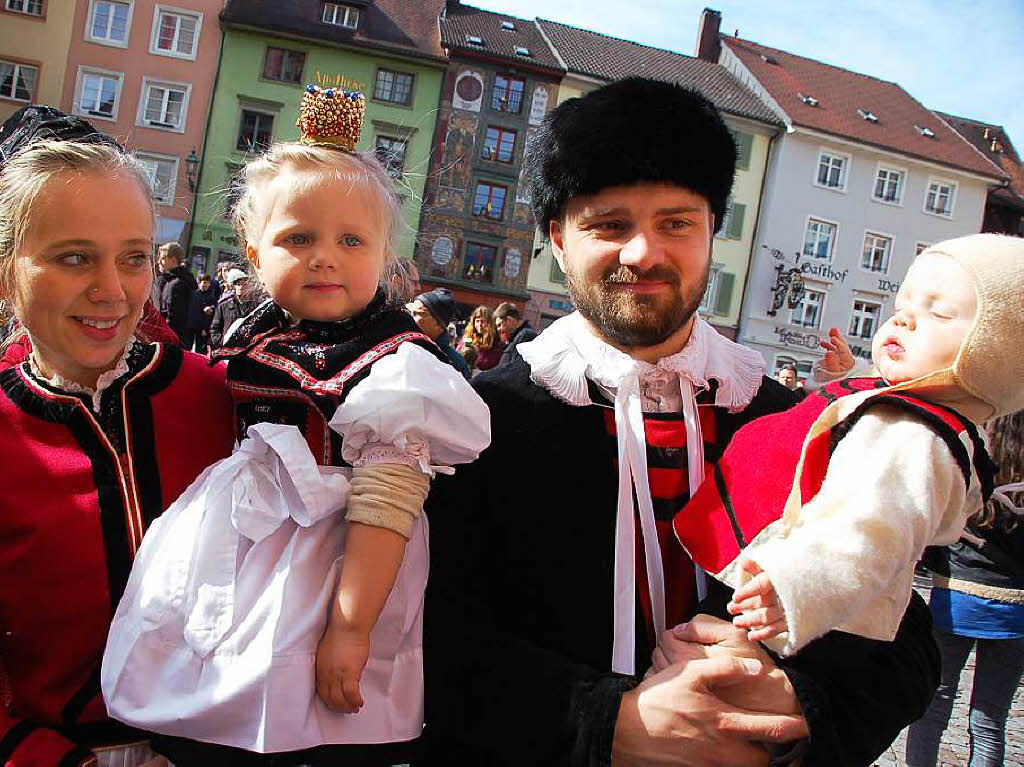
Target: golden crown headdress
x=331, y=117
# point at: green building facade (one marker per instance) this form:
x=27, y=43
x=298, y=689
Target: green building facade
x=261, y=78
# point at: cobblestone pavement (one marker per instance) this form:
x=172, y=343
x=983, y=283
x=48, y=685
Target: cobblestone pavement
x=955, y=748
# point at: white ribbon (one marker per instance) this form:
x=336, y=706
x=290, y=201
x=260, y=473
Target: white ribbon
x=633, y=478
x=271, y=477
x=999, y=495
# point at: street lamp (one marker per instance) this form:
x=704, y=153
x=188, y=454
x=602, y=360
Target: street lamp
x=191, y=169
x=789, y=283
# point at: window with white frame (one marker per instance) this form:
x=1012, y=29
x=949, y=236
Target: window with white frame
x=341, y=15
x=832, y=170
x=390, y=152
x=711, y=294
x=864, y=320
x=175, y=32
x=819, y=239
x=99, y=93
x=29, y=7
x=877, y=248
x=163, y=175
x=889, y=185
x=393, y=86
x=163, y=105
x=18, y=81
x=109, y=22
x=808, y=312
x=940, y=196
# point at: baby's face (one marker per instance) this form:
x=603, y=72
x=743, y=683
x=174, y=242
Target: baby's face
x=935, y=308
x=322, y=249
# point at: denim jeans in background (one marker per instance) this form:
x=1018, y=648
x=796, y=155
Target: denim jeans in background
x=998, y=664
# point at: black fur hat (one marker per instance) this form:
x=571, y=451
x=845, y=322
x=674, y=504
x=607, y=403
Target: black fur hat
x=41, y=123
x=627, y=132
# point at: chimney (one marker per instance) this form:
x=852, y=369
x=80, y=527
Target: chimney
x=708, y=44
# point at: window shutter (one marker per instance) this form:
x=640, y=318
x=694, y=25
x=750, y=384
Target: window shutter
x=744, y=146
x=723, y=301
x=735, y=230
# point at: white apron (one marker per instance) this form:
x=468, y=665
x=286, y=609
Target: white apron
x=215, y=637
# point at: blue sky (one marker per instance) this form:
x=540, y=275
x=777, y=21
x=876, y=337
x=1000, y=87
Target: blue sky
x=953, y=56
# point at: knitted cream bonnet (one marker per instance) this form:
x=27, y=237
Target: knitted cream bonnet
x=989, y=368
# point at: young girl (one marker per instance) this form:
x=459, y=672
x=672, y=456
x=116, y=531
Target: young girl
x=821, y=512
x=236, y=628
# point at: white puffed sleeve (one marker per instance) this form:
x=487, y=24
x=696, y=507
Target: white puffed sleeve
x=413, y=409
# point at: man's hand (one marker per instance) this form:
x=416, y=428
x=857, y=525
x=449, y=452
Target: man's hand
x=838, y=357
x=678, y=716
x=756, y=606
x=709, y=637
x=340, y=659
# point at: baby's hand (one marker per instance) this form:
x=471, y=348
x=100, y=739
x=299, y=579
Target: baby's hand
x=756, y=606
x=340, y=659
x=838, y=357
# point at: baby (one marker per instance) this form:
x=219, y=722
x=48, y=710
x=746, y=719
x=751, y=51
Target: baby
x=819, y=513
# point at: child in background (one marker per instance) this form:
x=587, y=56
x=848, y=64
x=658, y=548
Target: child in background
x=236, y=617
x=821, y=512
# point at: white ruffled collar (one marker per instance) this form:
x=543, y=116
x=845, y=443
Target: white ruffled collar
x=57, y=381
x=567, y=353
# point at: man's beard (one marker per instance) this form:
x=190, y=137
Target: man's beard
x=629, y=320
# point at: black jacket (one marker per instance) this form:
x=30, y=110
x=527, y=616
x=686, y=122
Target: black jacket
x=229, y=309
x=176, y=288
x=523, y=334
x=518, y=632
x=198, y=319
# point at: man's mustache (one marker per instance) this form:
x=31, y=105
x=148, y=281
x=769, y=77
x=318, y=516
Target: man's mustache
x=629, y=275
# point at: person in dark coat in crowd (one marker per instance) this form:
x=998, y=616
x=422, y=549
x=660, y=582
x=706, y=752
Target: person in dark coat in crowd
x=433, y=311
x=176, y=285
x=200, y=315
x=513, y=329
x=238, y=300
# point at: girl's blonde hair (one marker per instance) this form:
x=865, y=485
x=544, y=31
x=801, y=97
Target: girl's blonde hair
x=25, y=175
x=249, y=218
x=489, y=337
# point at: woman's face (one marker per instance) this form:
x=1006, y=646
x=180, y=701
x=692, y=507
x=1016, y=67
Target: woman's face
x=479, y=324
x=83, y=272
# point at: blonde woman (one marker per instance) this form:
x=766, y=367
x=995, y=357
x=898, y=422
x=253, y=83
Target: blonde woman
x=482, y=334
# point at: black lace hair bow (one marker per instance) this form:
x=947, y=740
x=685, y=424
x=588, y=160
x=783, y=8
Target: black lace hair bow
x=40, y=123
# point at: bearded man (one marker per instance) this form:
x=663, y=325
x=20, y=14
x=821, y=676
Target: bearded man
x=554, y=572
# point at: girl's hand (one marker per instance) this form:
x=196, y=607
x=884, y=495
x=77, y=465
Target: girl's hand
x=340, y=659
x=756, y=606
x=838, y=357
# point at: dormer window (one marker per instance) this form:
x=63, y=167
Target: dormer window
x=508, y=26
x=867, y=115
x=341, y=15
x=521, y=51
x=474, y=40
x=926, y=132
x=769, y=59
x=808, y=100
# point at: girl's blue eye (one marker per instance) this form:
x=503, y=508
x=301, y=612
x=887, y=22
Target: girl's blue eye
x=351, y=240
x=72, y=259
x=298, y=238
x=138, y=259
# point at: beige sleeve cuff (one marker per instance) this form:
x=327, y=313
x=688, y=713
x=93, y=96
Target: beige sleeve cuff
x=388, y=495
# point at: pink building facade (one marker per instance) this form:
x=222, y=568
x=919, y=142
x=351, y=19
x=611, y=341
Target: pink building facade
x=144, y=71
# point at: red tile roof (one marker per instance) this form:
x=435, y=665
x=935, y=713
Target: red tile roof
x=610, y=58
x=992, y=141
x=463, y=21
x=840, y=93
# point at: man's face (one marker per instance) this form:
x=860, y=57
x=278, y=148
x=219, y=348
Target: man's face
x=166, y=262
x=430, y=326
x=506, y=325
x=787, y=378
x=637, y=259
